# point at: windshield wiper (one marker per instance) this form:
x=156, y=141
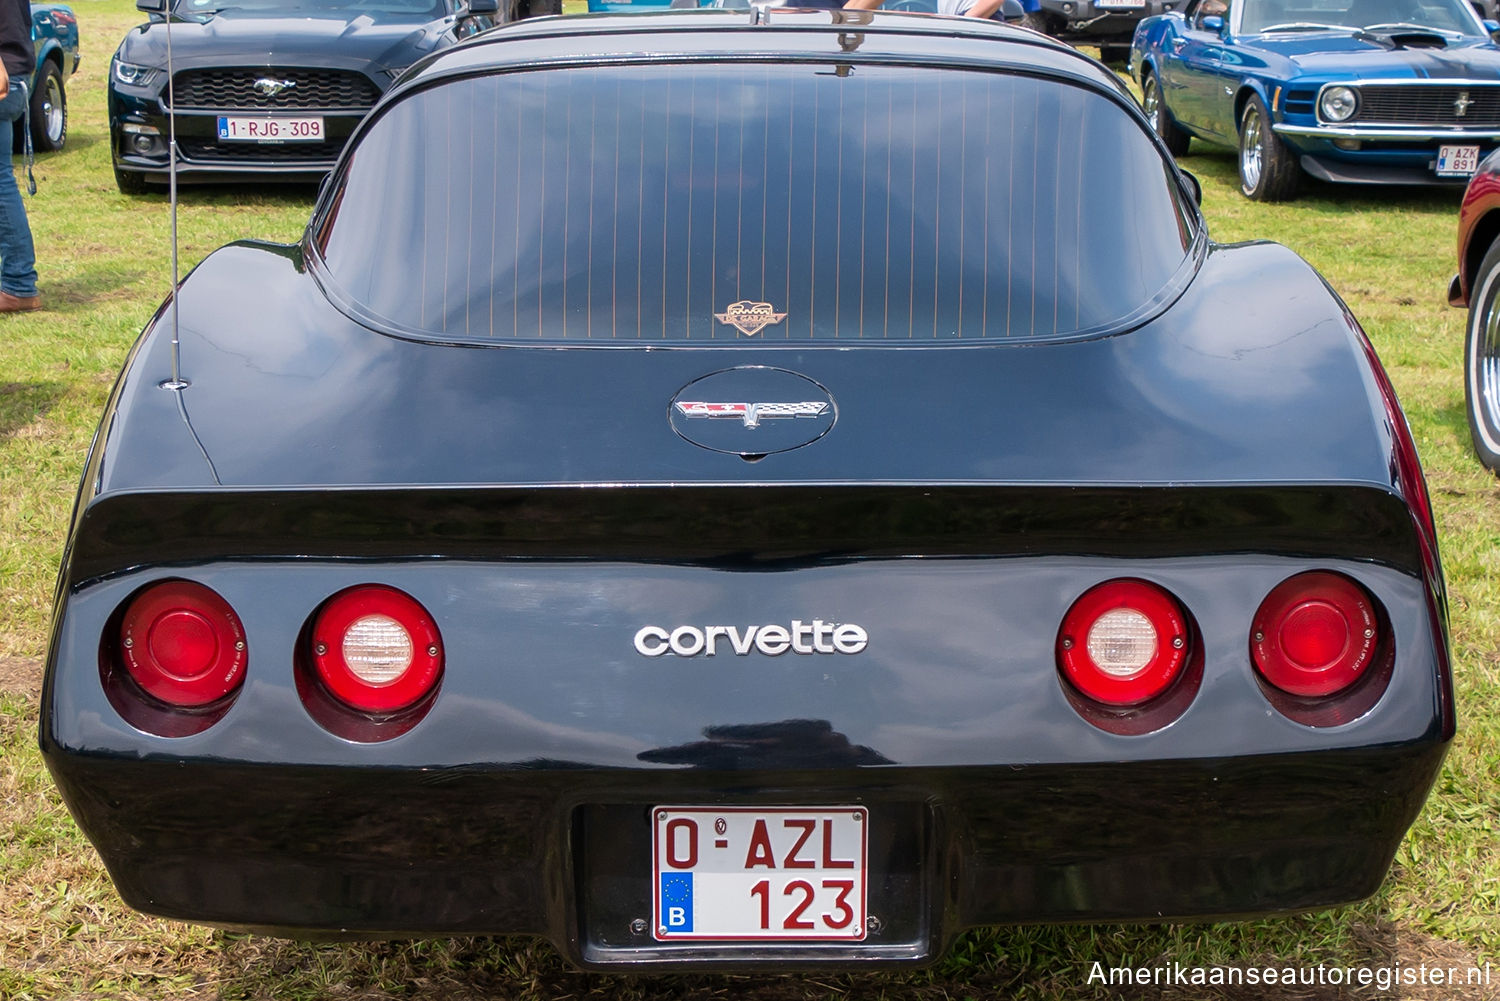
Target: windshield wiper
x=1408, y=26
x=1306, y=26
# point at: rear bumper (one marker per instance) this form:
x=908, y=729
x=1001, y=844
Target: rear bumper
x=519, y=802
x=566, y=853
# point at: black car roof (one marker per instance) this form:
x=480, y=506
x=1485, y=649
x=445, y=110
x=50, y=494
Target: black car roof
x=772, y=32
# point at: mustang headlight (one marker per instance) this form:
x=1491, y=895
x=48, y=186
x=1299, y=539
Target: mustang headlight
x=134, y=75
x=1337, y=104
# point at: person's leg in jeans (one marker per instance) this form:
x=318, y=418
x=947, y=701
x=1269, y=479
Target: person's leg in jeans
x=17, y=255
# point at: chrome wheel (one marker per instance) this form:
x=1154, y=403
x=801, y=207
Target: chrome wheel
x=1151, y=103
x=54, y=121
x=49, y=109
x=1482, y=361
x=1252, y=149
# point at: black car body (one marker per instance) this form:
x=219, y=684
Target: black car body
x=710, y=451
x=306, y=70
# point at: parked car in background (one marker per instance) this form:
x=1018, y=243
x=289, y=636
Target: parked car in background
x=269, y=88
x=1477, y=286
x=749, y=489
x=54, y=34
x=1075, y=21
x=1108, y=24
x=1361, y=92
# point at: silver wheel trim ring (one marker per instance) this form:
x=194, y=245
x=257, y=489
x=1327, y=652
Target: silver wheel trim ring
x=1152, y=104
x=52, y=108
x=1250, y=149
x=1484, y=364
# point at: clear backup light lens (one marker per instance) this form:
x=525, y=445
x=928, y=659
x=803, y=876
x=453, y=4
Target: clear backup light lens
x=1123, y=643
x=183, y=644
x=1337, y=104
x=376, y=649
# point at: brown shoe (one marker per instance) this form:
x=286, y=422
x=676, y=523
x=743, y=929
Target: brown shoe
x=19, y=303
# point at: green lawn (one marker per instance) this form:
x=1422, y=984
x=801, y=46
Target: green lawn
x=104, y=262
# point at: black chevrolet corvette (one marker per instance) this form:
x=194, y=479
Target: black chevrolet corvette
x=726, y=488
x=270, y=88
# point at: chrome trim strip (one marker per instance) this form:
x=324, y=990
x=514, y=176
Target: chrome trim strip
x=1375, y=132
x=1412, y=82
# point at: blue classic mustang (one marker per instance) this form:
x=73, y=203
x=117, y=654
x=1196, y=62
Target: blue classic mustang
x=1356, y=91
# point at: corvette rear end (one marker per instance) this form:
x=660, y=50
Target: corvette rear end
x=716, y=533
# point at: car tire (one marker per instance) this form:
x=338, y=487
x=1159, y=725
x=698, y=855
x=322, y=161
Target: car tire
x=129, y=182
x=1155, y=107
x=1268, y=170
x=49, y=109
x=1482, y=361
x=1114, y=55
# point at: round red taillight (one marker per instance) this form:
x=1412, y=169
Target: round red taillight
x=1124, y=642
x=183, y=644
x=1314, y=634
x=376, y=649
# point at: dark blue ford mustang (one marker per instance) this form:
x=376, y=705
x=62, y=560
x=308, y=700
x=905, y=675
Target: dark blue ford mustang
x=1355, y=91
x=270, y=88
x=781, y=496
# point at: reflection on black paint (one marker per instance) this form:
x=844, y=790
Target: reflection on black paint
x=793, y=743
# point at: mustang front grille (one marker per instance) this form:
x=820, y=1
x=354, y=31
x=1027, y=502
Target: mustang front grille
x=1428, y=104
x=200, y=149
x=273, y=89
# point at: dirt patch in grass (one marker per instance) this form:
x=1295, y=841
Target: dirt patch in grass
x=21, y=676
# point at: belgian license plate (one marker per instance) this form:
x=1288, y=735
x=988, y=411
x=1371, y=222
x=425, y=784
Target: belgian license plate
x=270, y=130
x=759, y=874
x=1120, y=4
x=1457, y=161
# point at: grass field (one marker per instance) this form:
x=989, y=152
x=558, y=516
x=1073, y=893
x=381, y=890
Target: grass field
x=104, y=268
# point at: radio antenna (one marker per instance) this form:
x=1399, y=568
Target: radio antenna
x=177, y=383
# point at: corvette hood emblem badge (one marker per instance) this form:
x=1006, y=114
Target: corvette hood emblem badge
x=750, y=318
x=752, y=413
x=752, y=410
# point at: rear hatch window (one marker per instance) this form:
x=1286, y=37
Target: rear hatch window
x=750, y=203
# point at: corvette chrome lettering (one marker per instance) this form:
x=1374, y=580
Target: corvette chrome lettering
x=801, y=637
x=752, y=413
